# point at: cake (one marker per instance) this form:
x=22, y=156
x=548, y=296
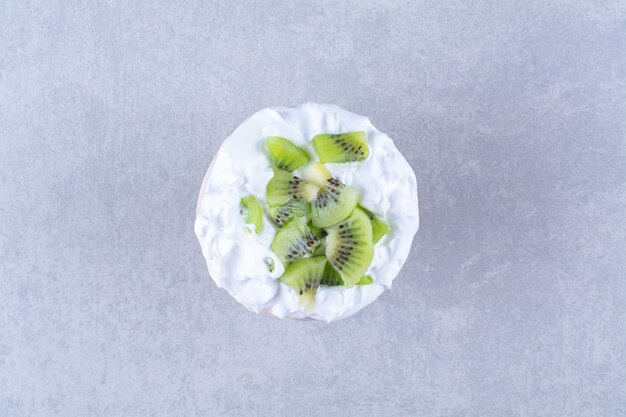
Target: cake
x=307, y=213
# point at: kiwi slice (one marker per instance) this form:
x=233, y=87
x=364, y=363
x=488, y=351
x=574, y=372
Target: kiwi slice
x=317, y=174
x=365, y=280
x=320, y=233
x=317, y=231
x=304, y=276
x=349, y=247
x=294, y=240
x=284, y=187
x=343, y=147
x=335, y=201
x=333, y=205
x=331, y=277
x=252, y=212
x=379, y=227
x=320, y=250
x=285, y=155
x=293, y=208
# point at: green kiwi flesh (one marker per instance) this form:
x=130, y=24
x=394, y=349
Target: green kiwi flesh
x=331, y=277
x=324, y=236
x=304, y=276
x=252, y=212
x=293, y=208
x=285, y=155
x=379, y=227
x=317, y=174
x=317, y=231
x=342, y=147
x=293, y=241
x=365, y=280
x=334, y=202
x=320, y=250
x=284, y=187
x=349, y=247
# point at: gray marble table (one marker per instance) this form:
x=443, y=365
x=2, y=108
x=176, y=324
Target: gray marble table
x=512, y=114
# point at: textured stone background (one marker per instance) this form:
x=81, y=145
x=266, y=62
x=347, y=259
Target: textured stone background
x=513, y=115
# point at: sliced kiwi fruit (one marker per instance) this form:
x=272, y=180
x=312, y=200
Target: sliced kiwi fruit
x=333, y=205
x=317, y=231
x=304, y=276
x=294, y=240
x=365, y=280
x=320, y=250
x=285, y=155
x=317, y=174
x=334, y=202
x=284, y=187
x=331, y=277
x=325, y=236
x=342, y=147
x=379, y=227
x=349, y=247
x=320, y=233
x=252, y=212
x=285, y=212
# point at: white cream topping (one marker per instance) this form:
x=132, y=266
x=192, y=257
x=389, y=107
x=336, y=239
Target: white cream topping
x=237, y=258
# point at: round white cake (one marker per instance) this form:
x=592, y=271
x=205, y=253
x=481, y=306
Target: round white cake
x=238, y=259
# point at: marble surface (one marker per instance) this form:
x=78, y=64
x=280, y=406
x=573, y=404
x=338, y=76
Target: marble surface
x=512, y=114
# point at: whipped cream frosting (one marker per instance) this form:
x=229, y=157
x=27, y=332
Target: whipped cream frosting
x=237, y=258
